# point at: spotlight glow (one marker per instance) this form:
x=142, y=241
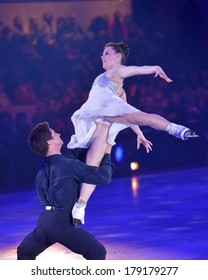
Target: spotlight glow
x=119, y=153
x=134, y=165
x=134, y=186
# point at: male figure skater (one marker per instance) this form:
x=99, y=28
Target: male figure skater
x=57, y=185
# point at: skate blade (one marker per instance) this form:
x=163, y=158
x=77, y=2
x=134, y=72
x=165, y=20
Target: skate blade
x=77, y=222
x=192, y=136
x=189, y=134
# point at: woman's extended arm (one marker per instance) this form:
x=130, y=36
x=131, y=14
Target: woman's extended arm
x=128, y=71
x=140, y=136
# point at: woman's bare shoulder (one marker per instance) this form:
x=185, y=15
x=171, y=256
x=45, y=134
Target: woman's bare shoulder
x=115, y=71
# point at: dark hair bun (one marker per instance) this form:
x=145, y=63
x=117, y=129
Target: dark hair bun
x=120, y=47
x=124, y=48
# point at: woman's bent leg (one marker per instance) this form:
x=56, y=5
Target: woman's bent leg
x=94, y=157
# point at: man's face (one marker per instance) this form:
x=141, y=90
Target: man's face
x=57, y=141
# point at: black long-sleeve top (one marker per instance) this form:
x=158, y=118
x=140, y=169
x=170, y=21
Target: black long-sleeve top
x=58, y=180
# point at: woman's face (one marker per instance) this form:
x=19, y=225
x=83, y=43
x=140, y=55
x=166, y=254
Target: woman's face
x=110, y=58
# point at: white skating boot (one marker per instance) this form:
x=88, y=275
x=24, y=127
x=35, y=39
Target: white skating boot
x=78, y=214
x=180, y=131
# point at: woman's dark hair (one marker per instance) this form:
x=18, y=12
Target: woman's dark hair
x=38, y=138
x=120, y=47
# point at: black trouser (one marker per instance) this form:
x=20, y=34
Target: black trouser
x=54, y=226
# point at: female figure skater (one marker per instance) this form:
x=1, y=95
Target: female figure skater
x=106, y=104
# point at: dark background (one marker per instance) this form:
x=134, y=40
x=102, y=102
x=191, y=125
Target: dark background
x=48, y=73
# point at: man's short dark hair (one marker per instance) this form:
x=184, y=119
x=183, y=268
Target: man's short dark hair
x=38, y=138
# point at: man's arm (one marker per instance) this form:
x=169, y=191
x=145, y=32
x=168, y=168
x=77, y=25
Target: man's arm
x=95, y=175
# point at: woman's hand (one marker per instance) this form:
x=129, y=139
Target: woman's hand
x=161, y=73
x=147, y=144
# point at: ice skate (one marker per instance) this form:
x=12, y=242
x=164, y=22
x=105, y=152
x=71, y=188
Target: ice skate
x=78, y=214
x=180, y=131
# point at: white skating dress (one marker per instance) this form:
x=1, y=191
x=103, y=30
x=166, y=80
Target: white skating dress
x=102, y=101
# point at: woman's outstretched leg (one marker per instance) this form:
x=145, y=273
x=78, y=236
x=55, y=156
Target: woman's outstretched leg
x=94, y=157
x=155, y=121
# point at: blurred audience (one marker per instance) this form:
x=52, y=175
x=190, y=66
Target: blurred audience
x=52, y=67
